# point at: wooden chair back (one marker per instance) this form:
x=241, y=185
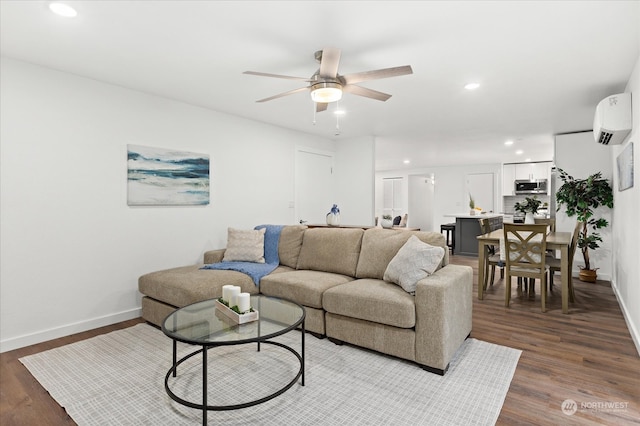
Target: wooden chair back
x=525, y=247
x=551, y=223
x=525, y=256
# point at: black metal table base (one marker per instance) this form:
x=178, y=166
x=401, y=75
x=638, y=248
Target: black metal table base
x=204, y=406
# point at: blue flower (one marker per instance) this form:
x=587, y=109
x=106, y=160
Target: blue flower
x=335, y=209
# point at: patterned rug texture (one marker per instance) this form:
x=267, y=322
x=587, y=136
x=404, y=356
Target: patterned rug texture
x=118, y=379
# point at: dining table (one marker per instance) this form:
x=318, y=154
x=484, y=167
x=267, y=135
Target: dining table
x=555, y=241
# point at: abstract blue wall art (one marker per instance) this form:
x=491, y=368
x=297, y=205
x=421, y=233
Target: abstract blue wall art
x=158, y=177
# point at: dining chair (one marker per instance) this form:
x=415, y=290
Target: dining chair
x=553, y=263
x=492, y=255
x=525, y=256
x=551, y=223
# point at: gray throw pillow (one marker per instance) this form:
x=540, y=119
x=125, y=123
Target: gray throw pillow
x=414, y=261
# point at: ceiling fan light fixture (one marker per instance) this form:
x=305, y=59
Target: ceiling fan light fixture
x=326, y=92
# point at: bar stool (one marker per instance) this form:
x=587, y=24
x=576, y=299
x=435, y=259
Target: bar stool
x=450, y=229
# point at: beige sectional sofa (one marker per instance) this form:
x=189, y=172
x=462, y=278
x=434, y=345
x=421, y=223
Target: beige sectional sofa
x=337, y=275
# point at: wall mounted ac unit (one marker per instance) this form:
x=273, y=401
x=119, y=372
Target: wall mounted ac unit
x=612, y=122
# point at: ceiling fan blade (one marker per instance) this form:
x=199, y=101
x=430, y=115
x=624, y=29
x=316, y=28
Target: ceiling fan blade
x=265, y=74
x=367, y=93
x=377, y=74
x=280, y=95
x=321, y=106
x=329, y=62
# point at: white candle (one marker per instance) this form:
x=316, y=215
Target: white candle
x=234, y=292
x=244, y=302
x=226, y=292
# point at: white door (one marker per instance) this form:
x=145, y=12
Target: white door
x=313, y=186
x=420, y=206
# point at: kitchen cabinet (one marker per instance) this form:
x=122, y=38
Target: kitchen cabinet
x=533, y=171
x=523, y=171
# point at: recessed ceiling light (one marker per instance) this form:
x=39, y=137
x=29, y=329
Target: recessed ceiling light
x=519, y=152
x=471, y=86
x=63, y=10
x=339, y=112
x=406, y=161
x=508, y=143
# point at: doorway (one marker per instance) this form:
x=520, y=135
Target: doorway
x=420, y=202
x=314, y=185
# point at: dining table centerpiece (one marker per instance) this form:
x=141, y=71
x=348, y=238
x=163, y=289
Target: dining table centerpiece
x=529, y=207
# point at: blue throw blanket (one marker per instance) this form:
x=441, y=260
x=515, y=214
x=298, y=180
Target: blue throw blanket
x=257, y=270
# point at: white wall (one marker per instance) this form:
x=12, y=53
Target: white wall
x=626, y=232
x=450, y=189
x=579, y=155
x=355, y=163
x=71, y=248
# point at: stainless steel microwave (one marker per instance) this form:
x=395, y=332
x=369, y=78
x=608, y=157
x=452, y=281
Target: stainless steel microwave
x=531, y=186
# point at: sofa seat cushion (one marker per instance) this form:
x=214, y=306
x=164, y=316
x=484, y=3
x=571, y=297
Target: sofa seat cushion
x=303, y=287
x=189, y=284
x=372, y=300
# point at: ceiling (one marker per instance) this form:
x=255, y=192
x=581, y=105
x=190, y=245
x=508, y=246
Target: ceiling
x=542, y=66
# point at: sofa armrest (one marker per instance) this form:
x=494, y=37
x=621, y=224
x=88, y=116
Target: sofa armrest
x=214, y=256
x=444, y=308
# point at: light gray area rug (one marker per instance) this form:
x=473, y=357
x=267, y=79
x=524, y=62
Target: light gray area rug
x=118, y=379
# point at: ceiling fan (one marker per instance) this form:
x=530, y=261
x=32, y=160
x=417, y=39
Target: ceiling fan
x=326, y=85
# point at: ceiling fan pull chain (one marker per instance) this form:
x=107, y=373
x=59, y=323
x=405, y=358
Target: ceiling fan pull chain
x=337, y=118
x=314, y=113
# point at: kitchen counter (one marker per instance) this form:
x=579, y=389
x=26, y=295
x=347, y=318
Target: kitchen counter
x=467, y=231
x=476, y=216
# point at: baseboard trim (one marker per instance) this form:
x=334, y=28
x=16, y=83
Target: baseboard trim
x=66, y=330
x=635, y=333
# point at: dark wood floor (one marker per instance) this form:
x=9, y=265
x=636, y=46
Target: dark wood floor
x=587, y=356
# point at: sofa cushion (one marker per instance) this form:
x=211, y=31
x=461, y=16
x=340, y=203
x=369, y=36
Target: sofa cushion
x=290, y=244
x=189, y=284
x=372, y=300
x=331, y=250
x=245, y=245
x=303, y=287
x=414, y=261
x=379, y=246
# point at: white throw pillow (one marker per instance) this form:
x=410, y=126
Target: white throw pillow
x=414, y=261
x=245, y=245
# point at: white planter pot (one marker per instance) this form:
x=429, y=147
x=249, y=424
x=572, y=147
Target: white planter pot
x=529, y=219
x=387, y=223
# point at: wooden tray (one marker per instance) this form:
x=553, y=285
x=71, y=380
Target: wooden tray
x=234, y=316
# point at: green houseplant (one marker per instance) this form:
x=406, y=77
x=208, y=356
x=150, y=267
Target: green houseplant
x=529, y=206
x=581, y=197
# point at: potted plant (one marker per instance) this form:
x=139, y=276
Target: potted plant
x=387, y=221
x=529, y=207
x=472, y=206
x=580, y=198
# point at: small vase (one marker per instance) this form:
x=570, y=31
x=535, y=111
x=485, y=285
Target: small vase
x=472, y=212
x=529, y=219
x=333, y=219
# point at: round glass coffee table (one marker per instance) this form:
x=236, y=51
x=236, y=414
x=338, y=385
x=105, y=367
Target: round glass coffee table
x=201, y=324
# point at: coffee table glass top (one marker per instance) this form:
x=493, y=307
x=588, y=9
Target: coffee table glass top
x=202, y=323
